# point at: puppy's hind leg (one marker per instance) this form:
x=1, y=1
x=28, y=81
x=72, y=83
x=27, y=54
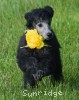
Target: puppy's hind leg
x=56, y=71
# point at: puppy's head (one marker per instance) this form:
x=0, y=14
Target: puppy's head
x=41, y=20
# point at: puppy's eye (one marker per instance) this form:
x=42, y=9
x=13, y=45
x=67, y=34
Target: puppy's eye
x=40, y=25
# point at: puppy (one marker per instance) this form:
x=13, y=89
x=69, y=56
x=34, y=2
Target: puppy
x=38, y=63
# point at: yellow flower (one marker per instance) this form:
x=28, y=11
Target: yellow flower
x=34, y=40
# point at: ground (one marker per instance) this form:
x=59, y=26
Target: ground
x=66, y=26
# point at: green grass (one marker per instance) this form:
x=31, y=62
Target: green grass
x=66, y=26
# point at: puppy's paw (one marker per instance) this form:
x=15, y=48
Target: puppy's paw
x=38, y=76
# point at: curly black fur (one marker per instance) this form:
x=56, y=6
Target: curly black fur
x=38, y=63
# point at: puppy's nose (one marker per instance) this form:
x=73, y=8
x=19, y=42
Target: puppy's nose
x=49, y=34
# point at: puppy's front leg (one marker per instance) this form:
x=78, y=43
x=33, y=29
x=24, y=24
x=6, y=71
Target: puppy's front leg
x=29, y=79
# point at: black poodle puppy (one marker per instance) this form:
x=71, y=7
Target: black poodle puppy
x=38, y=63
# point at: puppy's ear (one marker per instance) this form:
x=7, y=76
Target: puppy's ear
x=49, y=10
x=27, y=16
